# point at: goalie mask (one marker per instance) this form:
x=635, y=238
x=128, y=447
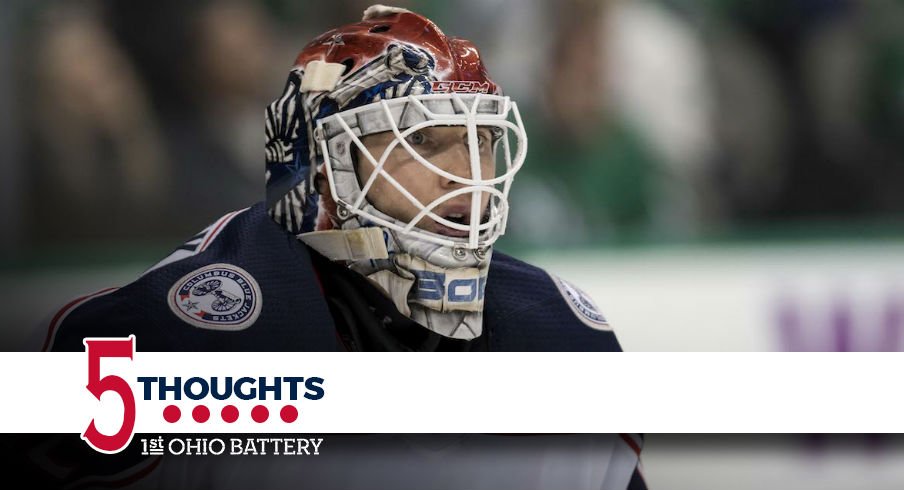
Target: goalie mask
x=417, y=148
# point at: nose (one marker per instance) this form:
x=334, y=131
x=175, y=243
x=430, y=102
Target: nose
x=454, y=159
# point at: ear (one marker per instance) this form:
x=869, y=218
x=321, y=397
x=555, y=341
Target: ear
x=321, y=184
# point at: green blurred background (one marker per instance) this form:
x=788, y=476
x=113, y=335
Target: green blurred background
x=129, y=125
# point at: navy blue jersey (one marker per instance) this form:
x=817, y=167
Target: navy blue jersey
x=245, y=284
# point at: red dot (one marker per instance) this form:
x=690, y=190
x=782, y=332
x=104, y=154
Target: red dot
x=259, y=413
x=200, y=414
x=171, y=414
x=289, y=414
x=230, y=414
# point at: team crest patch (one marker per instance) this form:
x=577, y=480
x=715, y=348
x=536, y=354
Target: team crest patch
x=217, y=297
x=582, y=305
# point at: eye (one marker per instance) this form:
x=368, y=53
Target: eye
x=416, y=138
x=488, y=135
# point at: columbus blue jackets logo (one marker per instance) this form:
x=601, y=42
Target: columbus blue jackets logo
x=217, y=297
x=582, y=305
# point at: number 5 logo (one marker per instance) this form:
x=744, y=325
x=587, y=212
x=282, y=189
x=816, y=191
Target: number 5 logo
x=98, y=349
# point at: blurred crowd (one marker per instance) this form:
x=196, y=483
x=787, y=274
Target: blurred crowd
x=647, y=119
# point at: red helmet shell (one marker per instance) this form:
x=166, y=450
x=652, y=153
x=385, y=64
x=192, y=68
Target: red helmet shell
x=457, y=60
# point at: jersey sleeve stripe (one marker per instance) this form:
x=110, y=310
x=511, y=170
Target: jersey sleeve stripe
x=218, y=227
x=198, y=243
x=66, y=310
x=633, y=444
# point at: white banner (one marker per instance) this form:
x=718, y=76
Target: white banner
x=458, y=392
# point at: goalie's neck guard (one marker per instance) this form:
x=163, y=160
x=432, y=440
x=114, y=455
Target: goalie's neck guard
x=440, y=287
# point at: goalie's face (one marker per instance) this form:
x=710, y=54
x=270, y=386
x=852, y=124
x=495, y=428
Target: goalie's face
x=446, y=147
x=435, y=167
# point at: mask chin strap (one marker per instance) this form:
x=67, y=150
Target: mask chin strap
x=446, y=300
x=348, y=245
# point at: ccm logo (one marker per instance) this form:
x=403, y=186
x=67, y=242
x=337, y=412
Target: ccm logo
x=459, y=86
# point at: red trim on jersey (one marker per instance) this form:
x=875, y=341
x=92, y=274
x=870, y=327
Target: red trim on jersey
x=58, y=318
x=631, y=443
x=123, y=481
x=216, y=229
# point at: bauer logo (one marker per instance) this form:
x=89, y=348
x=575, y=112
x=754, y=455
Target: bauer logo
x=218, y=297
x=437, y=287
x=189, y=400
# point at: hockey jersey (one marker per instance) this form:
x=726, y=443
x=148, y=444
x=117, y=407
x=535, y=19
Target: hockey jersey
x=245, y=284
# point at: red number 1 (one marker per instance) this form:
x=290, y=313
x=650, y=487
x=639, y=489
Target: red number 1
x=98, y=349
